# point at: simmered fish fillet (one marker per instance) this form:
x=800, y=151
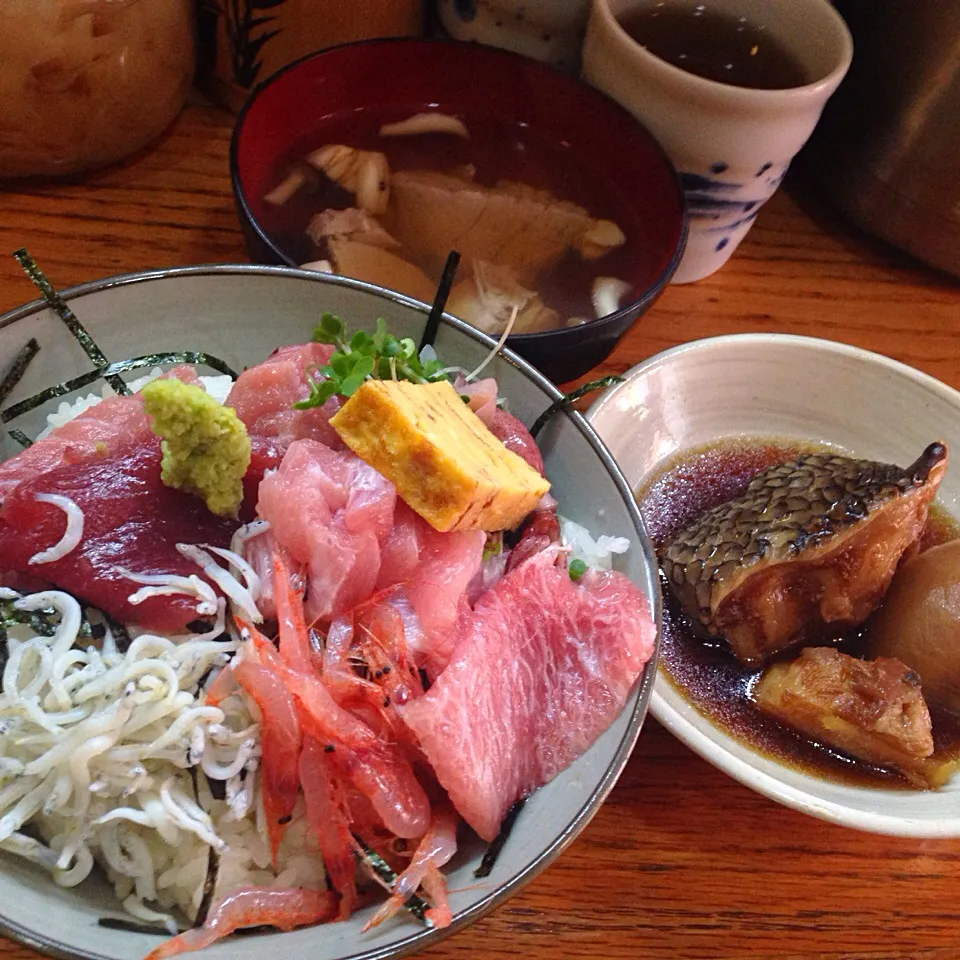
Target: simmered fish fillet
x=811, y=545
x=870, y=709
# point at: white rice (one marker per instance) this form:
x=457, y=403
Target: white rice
x=218, y=387
x=593, y=552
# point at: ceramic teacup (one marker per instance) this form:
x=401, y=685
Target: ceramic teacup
x=731, y=144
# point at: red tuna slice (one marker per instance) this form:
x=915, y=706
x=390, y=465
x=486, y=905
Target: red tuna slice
x=539, y=531
x=131, y=520
x=263, y=397
x=541, y=669
x=331, y=511
x=111, y=425
x=265, y=454
x=516, y=437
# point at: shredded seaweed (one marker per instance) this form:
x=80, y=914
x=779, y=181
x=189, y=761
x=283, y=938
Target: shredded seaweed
x=131, y=926
x=209, y=885
x=120, y=366
x=495, y=848
x=121, y=637
x=38, y=620
x=571, y=397
x=440, y=300
x=59, y=306
x=42, y=622
x=19, y=366
x=21, y=438
x=380, y=868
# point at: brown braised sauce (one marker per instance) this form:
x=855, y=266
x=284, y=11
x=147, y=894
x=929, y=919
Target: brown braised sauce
x=707, y=673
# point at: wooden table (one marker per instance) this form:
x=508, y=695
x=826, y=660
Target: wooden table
x=681, y=862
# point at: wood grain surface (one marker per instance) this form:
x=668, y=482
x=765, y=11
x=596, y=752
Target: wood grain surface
x=681, y=862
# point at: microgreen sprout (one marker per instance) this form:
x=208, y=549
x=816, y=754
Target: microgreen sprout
x=362, y=355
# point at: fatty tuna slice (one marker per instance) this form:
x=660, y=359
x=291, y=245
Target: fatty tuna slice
x=263, y=397
x=545, y=665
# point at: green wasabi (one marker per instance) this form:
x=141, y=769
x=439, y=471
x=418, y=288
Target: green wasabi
x=206, y=450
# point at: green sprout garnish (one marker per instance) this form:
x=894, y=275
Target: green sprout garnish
x=380, y=355
x=576, y=569
x=493, y=546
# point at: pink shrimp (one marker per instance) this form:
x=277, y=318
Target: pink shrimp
x=436, y=848
x=222, y=686
x=384, y=649
x=281, y=907
x=327, y=819
x=294, y=640
x=279, y=745
x=376, y=767
x=435, y=887
x=339, y=676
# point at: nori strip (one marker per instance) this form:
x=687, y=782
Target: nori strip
x=21, y=438
x=132, y=926
x=377, y=865
x=59, y=306
x=120, y=366
x=37, y=620
x=121, y=637
x=19, y=366
x=571, y=397
x=209, y=885
x=493, y=851
x=440, y=300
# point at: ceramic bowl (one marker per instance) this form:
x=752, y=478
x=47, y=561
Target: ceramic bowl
x=515, y=108
x=769, y=385
x=240, y=314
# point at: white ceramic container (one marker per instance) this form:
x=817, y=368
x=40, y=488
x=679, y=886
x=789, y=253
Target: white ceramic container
x=770, y=385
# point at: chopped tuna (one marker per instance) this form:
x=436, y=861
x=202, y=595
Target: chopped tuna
x=263, y=397
x=330, y=512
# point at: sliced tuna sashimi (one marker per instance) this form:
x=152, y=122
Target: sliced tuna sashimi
x=131, y=520
x=330, y=511
x=432, y=570
x=545, y=665
x=114, y=424
x=263, y=397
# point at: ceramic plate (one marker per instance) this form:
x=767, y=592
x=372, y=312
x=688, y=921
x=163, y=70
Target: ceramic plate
x=772, y=385
x=240, y=314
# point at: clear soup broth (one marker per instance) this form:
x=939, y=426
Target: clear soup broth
x=495, y=151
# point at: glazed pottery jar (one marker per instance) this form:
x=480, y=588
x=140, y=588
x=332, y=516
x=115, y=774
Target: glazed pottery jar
x=87, y=82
